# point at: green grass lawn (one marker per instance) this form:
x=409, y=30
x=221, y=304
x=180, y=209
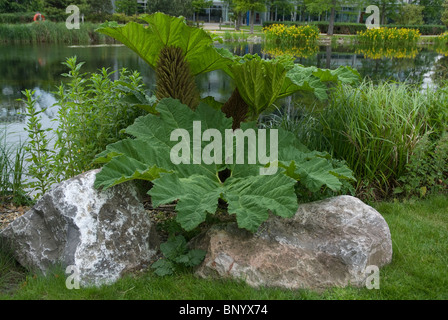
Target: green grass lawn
x=418, y=270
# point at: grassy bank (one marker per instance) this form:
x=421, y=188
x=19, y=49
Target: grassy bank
x=418, y=269
x=51, y=32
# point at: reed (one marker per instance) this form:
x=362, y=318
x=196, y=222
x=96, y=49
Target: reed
x=374, y=128
x=51, y=32
x=12, y=172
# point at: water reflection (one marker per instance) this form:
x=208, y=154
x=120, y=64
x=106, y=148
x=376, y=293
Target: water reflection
x=39, y=67
x=306, y=51
x=375, y=53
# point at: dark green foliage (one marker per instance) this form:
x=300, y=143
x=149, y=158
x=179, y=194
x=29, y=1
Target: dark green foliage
x=174, y=78
x=427, y=170
x=198, y=188
x=92, y=111
x=128, y=7
x=14, y=6
x=11, y=273
x=177, y=256
x=16, y=17
x=172, y=7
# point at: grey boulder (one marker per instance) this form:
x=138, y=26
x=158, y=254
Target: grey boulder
x=100, y=234
x=327, y=243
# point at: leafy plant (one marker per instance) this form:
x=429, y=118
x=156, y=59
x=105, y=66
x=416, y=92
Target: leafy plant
x=198, y=187
x=92, y=111
x=259, y=83
x=174, y=78
x=176, y=255
x=37, y=148
x=427, y=169
x=164, y=31
x=178, y=52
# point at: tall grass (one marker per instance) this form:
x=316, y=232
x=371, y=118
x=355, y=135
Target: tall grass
x=11, y=273
x=374, y=128
x=51, y=32
x=12, y=172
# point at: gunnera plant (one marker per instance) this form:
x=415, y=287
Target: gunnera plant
x=174, y=77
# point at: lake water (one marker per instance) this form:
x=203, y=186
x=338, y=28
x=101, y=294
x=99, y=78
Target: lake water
x=39, y=68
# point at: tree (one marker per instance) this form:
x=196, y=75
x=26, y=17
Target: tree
x=237, y=15
x=432, y=11
x=56, y=9
x=320, y=6
x=280, y=8
x=172, y=7
x=388, y=9
x=100, y=6
x=411, y=14
x=14, y=5
x=444, y=17
x=128, y=7
x=252, y=6
x=198, y=5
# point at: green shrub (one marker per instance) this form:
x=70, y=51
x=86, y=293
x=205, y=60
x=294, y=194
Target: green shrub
x=245, y=187
x=427, y=170
x=38, y=151
x=92, y=111
x=177, y=256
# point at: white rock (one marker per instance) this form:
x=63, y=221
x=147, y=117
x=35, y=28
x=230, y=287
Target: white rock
x=102, y=234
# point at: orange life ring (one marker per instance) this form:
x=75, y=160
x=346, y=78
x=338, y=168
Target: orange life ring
x=39, y=15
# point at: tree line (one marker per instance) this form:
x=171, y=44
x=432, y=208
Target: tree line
x=415, y=12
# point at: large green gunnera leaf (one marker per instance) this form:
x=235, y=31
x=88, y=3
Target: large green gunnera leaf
x=317, y=81
x=163, y=31
x=197, y=186
x=261, y=82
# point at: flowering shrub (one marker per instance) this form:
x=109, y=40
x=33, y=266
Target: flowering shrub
x=443, y=38
x=291, y=34
x=388, y=35
x=442, y=51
